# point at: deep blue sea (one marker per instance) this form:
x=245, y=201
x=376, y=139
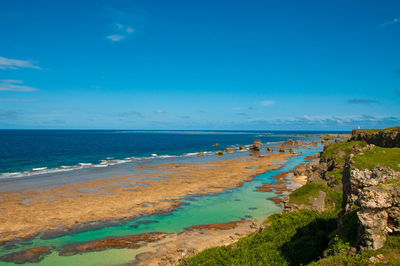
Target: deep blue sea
x=26, y=152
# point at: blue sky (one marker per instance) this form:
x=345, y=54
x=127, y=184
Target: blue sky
x=329, y=65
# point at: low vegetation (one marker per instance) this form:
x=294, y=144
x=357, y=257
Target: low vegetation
x=373, y=130
x=302, y=195
x=340, y=151
x=290, y=239
x=389, y=157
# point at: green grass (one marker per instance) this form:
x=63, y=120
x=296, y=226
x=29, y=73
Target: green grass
x=338, y=175
x=294, y=238
x=348, y=232
x=339, y=254
x=378, y=156
x=333, y=199
x=340, y=151
x=373, y=130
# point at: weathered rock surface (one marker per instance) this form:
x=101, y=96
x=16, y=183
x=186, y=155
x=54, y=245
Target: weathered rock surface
x=256, y=147
x=134, y=241
x=383, y=138
x=219, y=153
x=378, y=198
x=29, y=255
x=230, y=149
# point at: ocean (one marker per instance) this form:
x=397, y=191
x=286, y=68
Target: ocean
x=34, y=152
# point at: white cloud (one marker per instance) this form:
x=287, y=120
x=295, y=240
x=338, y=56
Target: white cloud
x=160, y=111
x=389, y=23
x=267, y=102
x=349, y=121
x=14, y=85
x=120, y=32
x=115, y=37
x=7, y=63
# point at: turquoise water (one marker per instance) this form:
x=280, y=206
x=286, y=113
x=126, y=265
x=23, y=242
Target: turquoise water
x=239, y=203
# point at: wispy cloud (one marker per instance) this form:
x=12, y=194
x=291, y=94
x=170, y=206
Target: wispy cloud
x=351, y=121
x=8, y=115
x=160, y=111
x=7, y=63
x=14, y=85
x=17, y=100
x=362, y=101
x=120, y=32
x=130, y=114
x=184, y=117
x=267, y=102
x=389, y=22
x=241, y=114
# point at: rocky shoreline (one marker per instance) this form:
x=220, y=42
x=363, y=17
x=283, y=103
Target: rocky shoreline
x=109, y=202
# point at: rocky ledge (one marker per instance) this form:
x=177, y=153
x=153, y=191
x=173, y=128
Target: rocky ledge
x=376, y=195
x=388, y=138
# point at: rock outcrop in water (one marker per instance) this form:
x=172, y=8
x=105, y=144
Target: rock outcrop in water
x=219, y=153
x=29, y=255
x=256, y=147
x=230, y=149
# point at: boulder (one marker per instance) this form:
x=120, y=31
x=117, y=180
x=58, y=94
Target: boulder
x=257, y=145
x=219, y=153
x=269, y=149
x=230, y=149
x=242, y=148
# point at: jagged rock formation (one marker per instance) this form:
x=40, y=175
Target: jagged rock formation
x=377, y=193
x=256, y=147
x=230, y=149
x=387, y=138
x=242, y=148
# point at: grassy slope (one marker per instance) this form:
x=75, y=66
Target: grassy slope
x=302, y=195
x=340, y=151
x=379, y=156
x=291, y=239
x=372, y=130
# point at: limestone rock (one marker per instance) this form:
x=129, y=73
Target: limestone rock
x=230, y=150
x=383, y=138
x=257, y=145
x=219, y=153
x=378, y=200
x=242, y=148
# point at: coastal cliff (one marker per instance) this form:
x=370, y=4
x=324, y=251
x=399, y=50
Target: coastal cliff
x=388, y=138
x=348, y=212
